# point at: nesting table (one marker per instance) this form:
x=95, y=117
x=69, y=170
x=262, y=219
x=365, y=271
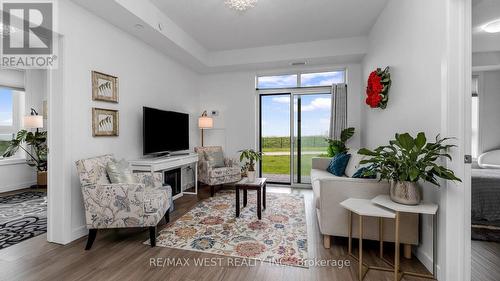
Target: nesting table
x=365, y=208
x=424, y=209
x=383, y=207
x=244, y=184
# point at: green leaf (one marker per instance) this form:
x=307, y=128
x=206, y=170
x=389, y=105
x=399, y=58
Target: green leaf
x=420, y=140
x=405, y=141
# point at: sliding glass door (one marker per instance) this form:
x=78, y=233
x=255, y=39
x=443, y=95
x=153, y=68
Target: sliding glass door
x=308, y=117
x=310, y=126
x=275, y=138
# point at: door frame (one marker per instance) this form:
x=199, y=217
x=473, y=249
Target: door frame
x=455, y=262
x=292, y=92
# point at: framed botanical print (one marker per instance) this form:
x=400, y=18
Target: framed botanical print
x=105, y=122
x=104, y=87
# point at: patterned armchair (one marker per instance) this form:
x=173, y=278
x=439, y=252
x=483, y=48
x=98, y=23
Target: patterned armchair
x=212, y=176
x=107, y=205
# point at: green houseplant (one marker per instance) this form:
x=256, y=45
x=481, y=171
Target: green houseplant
x=36, y=151
x=250, y=156
x=405, y=161
x=339, y=146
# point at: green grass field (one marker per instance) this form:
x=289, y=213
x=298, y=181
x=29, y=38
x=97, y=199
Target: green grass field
x=280, y=164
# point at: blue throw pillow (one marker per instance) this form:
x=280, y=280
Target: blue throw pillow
x=338, y=164
x=359, y=174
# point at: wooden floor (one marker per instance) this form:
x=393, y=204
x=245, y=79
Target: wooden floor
x=485, y=261
x=120, y=255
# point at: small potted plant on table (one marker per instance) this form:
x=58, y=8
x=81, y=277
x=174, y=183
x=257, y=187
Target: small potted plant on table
x=250, y=156
x=405, y=161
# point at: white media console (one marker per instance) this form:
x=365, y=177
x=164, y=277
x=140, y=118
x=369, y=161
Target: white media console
x=185, y=163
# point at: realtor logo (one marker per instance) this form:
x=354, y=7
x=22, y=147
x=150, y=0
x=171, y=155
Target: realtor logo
x=27, y=34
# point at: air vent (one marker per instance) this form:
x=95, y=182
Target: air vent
x=296, y=63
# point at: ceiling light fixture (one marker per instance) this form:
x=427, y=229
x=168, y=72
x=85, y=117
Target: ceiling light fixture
x=492, y=27
x=240, y=5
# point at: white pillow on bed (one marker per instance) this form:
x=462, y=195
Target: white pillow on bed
x=489, y=160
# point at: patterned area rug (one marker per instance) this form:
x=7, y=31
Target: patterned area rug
x=211, y=227
x=22, y=216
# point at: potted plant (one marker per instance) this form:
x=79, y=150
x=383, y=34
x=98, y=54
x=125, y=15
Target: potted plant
x=36, y=152
x=250, y=156
x=338, y=146
x=405, y=161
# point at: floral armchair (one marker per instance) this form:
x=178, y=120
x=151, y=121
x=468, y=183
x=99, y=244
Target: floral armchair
x=212, y=176
x=107, y=205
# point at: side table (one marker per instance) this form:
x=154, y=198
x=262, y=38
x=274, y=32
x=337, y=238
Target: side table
x=260, y=185
x=365, y=208
x=424, y=209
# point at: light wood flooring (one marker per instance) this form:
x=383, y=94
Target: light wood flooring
x=120, y=255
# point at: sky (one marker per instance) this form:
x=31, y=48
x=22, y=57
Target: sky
x=315, y=115
x=5, y=107
x=315, y=108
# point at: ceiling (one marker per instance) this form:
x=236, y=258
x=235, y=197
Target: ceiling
x=484, y=11
x=271, y=22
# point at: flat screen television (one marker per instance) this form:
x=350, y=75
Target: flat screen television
x=164, y=131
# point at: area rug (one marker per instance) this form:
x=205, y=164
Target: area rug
x=22, y=216
x=211, y=227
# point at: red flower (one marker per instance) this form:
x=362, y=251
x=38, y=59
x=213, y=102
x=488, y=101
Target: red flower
x=373, y=100
x=374, y=90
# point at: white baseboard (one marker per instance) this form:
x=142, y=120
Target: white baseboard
x=79, y=232
x=426, y=260
x=18, y=186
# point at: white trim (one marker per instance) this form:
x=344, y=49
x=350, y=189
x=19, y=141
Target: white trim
x=59, y=174
x=79, y=232
x=12, y=161
x=486, y=68
x=17, y=186
x=455, y=247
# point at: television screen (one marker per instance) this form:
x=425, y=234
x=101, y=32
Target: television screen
x=164, y=131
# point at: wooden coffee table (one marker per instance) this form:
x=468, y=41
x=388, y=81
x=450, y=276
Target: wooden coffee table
x=260, y=185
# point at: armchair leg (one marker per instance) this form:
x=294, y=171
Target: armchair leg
x=152, y=235
x=212, y=191
x=91, y=238
x=167, y=216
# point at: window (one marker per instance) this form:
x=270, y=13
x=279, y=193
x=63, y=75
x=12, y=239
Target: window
x=321, y=79
x=274, y=82
x=475, y=118
x=11, y=108
x=314, y=79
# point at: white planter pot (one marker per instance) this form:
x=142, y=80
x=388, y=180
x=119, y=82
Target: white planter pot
x=407, y=193
x=251, y=176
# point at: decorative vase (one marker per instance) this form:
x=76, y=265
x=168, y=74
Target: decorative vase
x=251, y=176
x=41, y=179
x=405, y=192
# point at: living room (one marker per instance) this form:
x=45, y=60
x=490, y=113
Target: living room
x=189, y=57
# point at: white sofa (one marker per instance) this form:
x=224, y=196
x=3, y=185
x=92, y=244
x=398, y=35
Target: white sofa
x=329, y=190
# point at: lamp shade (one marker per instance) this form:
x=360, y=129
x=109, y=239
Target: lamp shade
x=33, y=121
x=205, y=122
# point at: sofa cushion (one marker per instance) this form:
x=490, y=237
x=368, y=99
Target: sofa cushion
x=353, y=165
x=338, y=164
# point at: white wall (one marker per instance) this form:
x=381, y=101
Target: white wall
x=489, y=113
x=409, y=37
x=146, y=78
x=16, y=174
x=233, y=94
